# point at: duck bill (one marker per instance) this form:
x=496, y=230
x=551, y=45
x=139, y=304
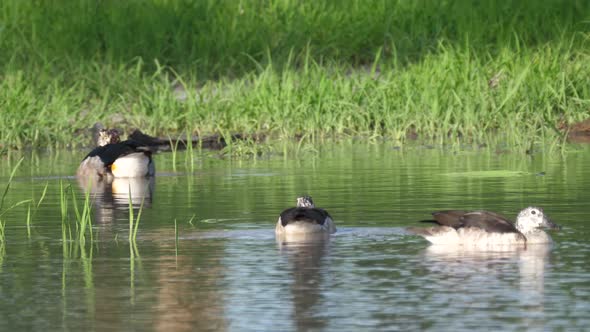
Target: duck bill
x=548, y=223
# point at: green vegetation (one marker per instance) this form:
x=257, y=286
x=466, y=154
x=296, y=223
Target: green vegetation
x=4, y=209
x=134, y=221
x=438, y=70
x=83, y=218
x=31, y=213
x=175, y=238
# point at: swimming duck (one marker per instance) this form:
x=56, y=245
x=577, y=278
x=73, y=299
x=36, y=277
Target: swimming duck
x=485, y=228
x=305, y=218
x=113, y=158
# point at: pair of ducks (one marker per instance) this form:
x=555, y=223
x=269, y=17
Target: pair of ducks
x=116, y=158
x=454, y=227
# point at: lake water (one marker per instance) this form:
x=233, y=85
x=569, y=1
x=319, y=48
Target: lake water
x=225, y=271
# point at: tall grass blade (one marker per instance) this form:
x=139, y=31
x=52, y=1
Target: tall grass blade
x=189, y=152
x=131, y=217
x=9, y=182
x=135, y=227
x=175, y=238
x=29, y=216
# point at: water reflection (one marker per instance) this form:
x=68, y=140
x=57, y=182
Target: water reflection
x=474, y=273
x=110, y=196
x=532, y=264
x=187, y=296
x=305, y=257
x=295, y=239
x=173, y=292
x=230, y=273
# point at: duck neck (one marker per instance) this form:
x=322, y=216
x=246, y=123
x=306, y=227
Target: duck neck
x=525, y=228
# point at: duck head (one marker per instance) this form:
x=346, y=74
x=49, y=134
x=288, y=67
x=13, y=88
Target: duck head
x=533, y=218
x=108, y=136
x=305, y=201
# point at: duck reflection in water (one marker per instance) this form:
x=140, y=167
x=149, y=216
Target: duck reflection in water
x=114, y=196
x=306, y=259
x=513, y=272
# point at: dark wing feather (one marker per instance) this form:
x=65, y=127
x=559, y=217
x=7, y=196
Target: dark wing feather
x=451, y=218
x=312, y=215
x=110, y=152
x=488, y=221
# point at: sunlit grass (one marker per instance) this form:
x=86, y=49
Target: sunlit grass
x=35, y=206
x=66, y=230
x=82, y=218
x=443, y=71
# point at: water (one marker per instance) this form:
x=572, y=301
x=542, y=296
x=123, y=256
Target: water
x=227, y=272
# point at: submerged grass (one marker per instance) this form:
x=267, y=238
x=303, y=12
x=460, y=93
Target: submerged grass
x=442, y=71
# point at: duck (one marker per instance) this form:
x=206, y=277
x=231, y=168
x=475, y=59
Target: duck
x=485, y=228
x=305, y=218
x=113, y=158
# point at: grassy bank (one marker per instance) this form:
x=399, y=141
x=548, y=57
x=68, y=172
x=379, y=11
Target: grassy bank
x=435, y=70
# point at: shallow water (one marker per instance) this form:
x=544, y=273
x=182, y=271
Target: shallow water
x=226, y=271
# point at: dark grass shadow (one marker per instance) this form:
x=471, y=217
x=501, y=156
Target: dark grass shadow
x=229, y=38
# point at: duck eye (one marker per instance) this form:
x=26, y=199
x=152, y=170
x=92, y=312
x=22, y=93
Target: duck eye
x=533, y=212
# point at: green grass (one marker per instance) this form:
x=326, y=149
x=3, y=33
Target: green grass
x=82, y=218
x=4, y=210
x=175, y=238
x=444, y=70
x=134, y=220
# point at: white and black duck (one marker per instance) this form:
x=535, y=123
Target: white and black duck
x=305, y=218
x=486, y=228
x=115, y=158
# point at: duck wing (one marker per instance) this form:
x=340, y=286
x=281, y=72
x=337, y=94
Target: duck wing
x=489, y=221
x=451, y=218
x=110, y=152
x=312, y=215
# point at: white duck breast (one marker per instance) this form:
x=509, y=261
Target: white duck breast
x=117, y=159
x=485, y=228
x=133, y=165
